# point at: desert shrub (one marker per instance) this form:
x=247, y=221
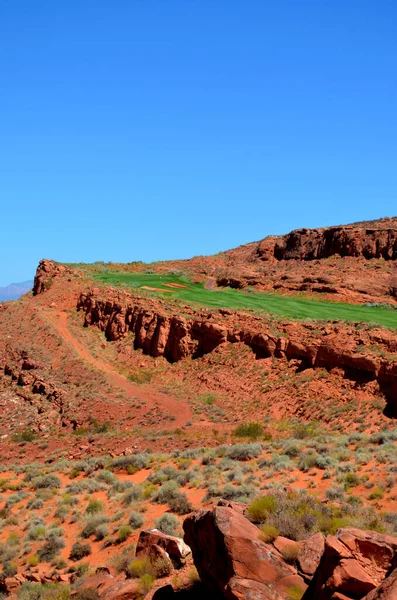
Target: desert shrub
x=303, y=431
x=167, y=523
x=277, y=463
x=288, y=525
x=137, y=461
x=37, y=533
x=252, y=431
x=244, y=451
x=167, y=492
x=185, y=477
x=89, y=486
x=376, y=494
x=149, y=490
x=50, y=549
x=180, y=504
x=124, y=533
x=261, y=507
x=329, y=525
x=162, y=567
x=135, y=520
x=122, y=562
x=46, y=591
x=79, y=551
x=146, y=582
x=239, y=493
x=33, y=560
x=92, y=525
x=9, y=569
x=351, y=480
x=94, y=506
x=107, y=477
x=139, y=567
x=132, y=495
x=335, y=492
x=101, y=532
x=50, y=481
x=292, y=450
x=167, y=473
x=35, y=504
x=290, y=553
x=62, y=512
x=268, y=533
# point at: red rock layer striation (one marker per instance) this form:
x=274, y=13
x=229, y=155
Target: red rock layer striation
x=176, y=337
x=311, y=244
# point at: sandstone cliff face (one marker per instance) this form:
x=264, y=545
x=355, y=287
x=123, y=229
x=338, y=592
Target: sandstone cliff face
x=45, y=273
x=175, y=337
x=310, y=244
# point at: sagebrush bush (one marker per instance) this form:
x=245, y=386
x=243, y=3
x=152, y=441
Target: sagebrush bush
x=252, y=431
x=135, y=520
x=50, y=549
x=138, y=461
x=94, y=506
x=47, y=481
x=167, y=523
x=92, y=525
x=244, y=451
x=124, y=533
x=79, y=551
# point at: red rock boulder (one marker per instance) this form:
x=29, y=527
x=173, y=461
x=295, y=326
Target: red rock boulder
x=174, y=547
x=231, y=559
x=354, y=563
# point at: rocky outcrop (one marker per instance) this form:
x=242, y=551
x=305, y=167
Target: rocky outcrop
x=311, y=244
x=46, y=272
x=232, y=560
x=354, y=563
x=175, y=337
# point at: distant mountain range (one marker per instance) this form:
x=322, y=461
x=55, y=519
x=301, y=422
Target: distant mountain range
x=15, y=290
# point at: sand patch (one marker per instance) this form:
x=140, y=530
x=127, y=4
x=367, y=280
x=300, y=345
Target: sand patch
x=154, y=289
x=178, y=286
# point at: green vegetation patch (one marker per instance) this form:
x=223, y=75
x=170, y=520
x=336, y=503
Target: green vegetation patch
x=292, y=307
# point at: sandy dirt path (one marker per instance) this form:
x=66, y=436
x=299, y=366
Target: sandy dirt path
x=171, y=406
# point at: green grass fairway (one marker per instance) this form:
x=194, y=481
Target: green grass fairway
x=293, y=307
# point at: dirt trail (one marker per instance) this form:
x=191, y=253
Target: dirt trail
x=152, y=399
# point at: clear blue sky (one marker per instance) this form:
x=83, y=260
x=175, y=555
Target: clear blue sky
x=155, y=129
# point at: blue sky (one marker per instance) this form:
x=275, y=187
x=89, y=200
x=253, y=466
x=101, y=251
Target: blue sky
x=155, y=129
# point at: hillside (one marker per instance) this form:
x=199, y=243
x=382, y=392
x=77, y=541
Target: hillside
x=228, y=374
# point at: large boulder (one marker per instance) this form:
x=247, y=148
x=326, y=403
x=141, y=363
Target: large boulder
x=175, y=547
x=354, y=563
x=231, y=559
